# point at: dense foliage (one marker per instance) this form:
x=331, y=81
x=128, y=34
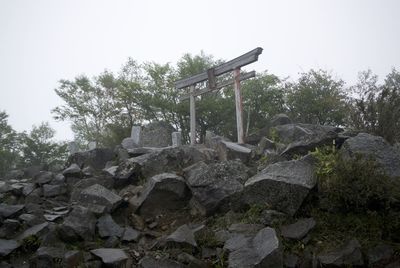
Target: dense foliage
x=104, y=108
x=36, y=148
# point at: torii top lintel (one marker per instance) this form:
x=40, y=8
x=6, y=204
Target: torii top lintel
x=245, y=59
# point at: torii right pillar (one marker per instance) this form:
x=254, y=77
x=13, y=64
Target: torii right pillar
x=239, y=106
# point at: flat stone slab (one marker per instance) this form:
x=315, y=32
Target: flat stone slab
x=110, y=256
x=36, y=230
x=7, y=246
x=183, y=235
x=9, y=210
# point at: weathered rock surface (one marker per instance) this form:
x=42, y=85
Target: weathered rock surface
x=374, y=147
x=96, y=158
x=54, y=190
x=10, y=210
x=349, y=255
x=167, y=189
x=128, y=143
x=111, y=256
x=107, y=227
x=157, y=134
x=263, y=250
x=302, y=138
x=36, y=230
x=80, y=224
x=215, y=185
x=130, y=235
x=72, y=171
x=283, y=185
x=7, y=246
x=168, y=160
x=183, y=236
x=99, y=195
x=299, y=229
x=48, y=257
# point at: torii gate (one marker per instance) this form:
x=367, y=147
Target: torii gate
x=210, y=75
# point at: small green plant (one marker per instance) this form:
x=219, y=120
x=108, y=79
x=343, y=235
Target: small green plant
x=206, y=238
x=273, y=135
x=351, y=184
x=253, y=214
x=30, y=243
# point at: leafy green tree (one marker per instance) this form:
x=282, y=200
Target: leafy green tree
x=38, y=147
x=376, y=108
x=8, y=145
x=102, y=110
x=317, y=98
x=263, y=97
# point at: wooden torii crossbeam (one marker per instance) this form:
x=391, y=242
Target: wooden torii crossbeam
x=210, y=75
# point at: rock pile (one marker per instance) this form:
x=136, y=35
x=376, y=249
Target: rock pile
x=161, y=207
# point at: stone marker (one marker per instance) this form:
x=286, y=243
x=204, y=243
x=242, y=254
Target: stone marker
x=136, y=134
x=176, y=138
x=92, y=145
x=73, y=147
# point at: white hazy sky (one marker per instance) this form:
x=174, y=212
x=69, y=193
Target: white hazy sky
x=43, y=41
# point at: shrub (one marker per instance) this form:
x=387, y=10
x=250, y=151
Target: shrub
x=351, y=185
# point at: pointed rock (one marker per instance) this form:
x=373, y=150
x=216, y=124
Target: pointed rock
x=107, y=227
x=99, y=195
x=163, y=193
x=183, y=235
x=263, y=250
x=80, y=224
x=215, y=186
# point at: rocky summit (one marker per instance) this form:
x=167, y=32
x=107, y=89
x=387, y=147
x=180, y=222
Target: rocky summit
x=218, y=204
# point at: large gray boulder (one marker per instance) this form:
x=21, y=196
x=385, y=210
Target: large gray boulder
x=375, y=147
x=214, y=186
x=302, y=138
x=99, y=195
x=80, y=224
x=107, y=227
x=167, y=160
x=54, y=190
x=163, y=193
x=283, y=185
x=96, y=158
x=262, y=250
